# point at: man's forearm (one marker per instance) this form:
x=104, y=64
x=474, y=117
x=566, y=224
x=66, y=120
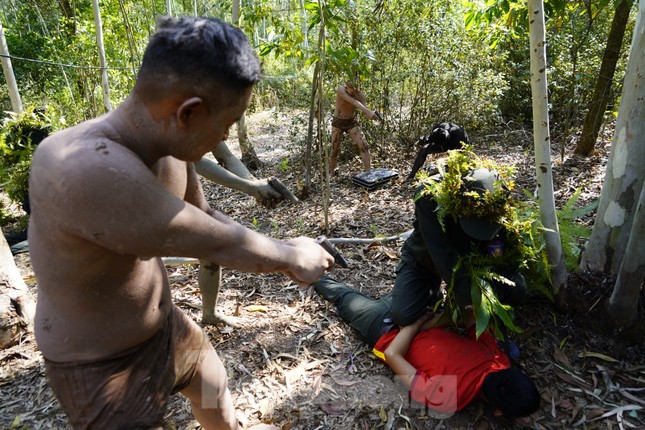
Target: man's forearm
x=401, y=342
x=395, y=354
x=216, y=173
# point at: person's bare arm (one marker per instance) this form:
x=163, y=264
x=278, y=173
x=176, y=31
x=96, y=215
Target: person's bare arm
x=395, y=353
x=232, y=173
x=230, y=162
x=342, y=92
x=112, y=199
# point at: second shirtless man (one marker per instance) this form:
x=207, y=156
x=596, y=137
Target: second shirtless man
x=348, y=99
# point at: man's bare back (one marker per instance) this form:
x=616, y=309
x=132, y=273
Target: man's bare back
x=93, y=276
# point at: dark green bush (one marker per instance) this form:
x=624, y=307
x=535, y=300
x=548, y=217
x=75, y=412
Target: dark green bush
x=19, y=136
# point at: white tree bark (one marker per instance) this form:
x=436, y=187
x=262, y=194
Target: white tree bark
x=622, y=306
x=613, y=229
x=17, y=307
x=542, y=142
x=99, y=44
x=14, y=95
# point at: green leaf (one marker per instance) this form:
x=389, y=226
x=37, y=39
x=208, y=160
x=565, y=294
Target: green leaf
x=483, y=318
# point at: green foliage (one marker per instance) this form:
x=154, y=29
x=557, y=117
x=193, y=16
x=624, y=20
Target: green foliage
x=417, y=62
x=576, y=33
x=524, y=246
x=449, y=195
x=19, y=135
x=572, y=232
x=284, y=164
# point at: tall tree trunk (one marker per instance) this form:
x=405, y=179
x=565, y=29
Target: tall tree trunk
x=69, y=12
x=600, y=99
x=310, y=131
x=605, y=250
x=17, y=307
x=542, y=142
x=128, y=32
x=249, y=157
x=99, y=44
x=622, y=306
x=14, y=95
x=322, y=127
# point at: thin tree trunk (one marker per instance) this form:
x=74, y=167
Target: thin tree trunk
x=310, y=131
x=70, y=13
x=322, y=135
x=249, y=156
x=17, y=307
x=542, y=142
x=624, y=178
x=128, y=32
x=600, y=99
x=14, y=95
x=99, y=44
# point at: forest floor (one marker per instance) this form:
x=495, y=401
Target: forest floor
x=294, y=363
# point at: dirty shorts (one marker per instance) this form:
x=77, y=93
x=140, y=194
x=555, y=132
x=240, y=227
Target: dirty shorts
x=344, y=124
x=130, y=389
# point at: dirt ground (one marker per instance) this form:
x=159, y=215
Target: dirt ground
x=294, y=363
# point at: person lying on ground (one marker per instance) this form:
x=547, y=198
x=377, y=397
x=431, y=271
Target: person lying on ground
x=443, y=370
x=109, y=198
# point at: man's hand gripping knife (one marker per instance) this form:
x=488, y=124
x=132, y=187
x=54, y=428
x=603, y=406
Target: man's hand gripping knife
x=331, y=249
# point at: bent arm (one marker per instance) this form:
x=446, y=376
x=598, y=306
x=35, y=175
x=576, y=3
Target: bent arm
x=358, y=104
x=396, y=351
x=230, y=162
x=216, y=173
x=441, y=249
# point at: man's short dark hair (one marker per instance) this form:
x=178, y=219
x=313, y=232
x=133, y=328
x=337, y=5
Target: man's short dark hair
x=199, y=52
x=512, y=392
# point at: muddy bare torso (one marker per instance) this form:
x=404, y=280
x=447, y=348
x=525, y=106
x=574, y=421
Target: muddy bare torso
x=94, y=299
x=344, y=108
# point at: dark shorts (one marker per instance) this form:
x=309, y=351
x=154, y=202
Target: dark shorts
x=344, y=124
x=130, y=389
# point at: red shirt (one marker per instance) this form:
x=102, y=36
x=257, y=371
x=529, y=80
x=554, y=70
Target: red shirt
x=450, y=367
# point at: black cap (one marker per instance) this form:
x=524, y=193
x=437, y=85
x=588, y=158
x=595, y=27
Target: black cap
x=480, y=181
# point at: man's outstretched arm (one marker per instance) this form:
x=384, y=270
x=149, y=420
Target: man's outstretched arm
x=232, y=173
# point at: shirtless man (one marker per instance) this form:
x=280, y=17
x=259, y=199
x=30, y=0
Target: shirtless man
x=348, y=99
x=112, y=195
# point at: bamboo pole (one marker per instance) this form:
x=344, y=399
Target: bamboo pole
x=99, y=42
x=14, y=95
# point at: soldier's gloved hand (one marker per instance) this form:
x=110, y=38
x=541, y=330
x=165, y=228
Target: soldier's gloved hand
x=265, y=194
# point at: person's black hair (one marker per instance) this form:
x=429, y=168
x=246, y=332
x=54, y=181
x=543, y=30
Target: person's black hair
x=200, y=51
x=512, y=392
